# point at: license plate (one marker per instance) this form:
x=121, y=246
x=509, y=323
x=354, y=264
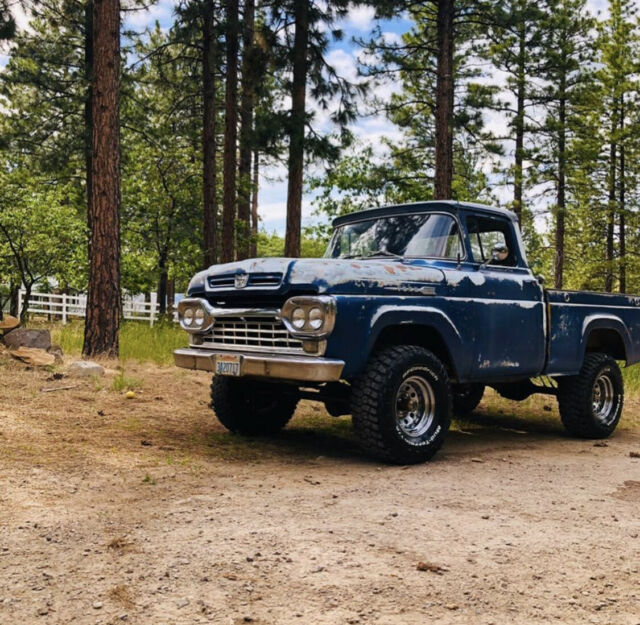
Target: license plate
x=228, y=365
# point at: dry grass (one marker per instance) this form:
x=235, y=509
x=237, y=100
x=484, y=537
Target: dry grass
x=168, y=425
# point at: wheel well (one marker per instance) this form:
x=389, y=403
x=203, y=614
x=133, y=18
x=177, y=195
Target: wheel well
x=424, y=336
x=606, y=341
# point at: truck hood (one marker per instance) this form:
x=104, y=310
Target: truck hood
x=330, y=275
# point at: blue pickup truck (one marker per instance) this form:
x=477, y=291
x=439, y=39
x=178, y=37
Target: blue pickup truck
x=412, y=313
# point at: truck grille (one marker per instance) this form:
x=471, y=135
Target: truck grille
x=255, y=280
x=260, y=334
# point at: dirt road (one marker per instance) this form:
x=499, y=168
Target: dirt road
x=146, y=511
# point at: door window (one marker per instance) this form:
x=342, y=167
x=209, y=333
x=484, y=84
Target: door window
x=486, y=233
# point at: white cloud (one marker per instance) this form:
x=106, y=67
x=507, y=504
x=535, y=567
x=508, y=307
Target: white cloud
x=360, y=18
x=161, y=12
x=345, y=64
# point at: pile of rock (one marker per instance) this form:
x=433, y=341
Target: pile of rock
x=31, y=346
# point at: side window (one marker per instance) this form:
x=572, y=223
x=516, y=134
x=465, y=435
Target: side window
x=485, y=233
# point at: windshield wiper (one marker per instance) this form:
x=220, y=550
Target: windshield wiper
x=382, y=253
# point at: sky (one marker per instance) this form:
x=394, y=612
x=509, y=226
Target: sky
x=343, y=56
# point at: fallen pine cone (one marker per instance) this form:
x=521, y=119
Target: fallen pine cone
x=431, y=568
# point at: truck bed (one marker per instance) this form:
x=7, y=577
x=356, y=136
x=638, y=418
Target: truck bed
x=599, y=321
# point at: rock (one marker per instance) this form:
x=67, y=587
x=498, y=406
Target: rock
x=97, y=605
x=634, y=454
x=85, y=369
x=9, y=323
x=23, y=337
x=33, y=356
x=56, y=350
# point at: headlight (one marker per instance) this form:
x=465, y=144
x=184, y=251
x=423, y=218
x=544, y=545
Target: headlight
x=310, y=316
x=195, y=315
x=316, y=318
x=299, y=318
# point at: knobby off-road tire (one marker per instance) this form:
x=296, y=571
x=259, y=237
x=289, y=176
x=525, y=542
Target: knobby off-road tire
x=466, y=398
x=401, y=405
x=591, y=402
x=251, y=407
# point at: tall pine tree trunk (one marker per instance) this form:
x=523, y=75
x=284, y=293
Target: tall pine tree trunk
x=622, y=202
x=88, y=69
x=611, y=209
x=246, y=131
x=561, y=190
x=230, y=134
x=209, y=165
x=297, y=129
x=518, y=177
x=254, y=203
x=103, y=299
x=444, y=101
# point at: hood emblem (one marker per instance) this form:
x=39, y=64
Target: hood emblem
x=241, y=280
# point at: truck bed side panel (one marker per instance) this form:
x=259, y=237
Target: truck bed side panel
x=575, y=314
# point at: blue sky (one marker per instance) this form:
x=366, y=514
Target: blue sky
x=343, y=55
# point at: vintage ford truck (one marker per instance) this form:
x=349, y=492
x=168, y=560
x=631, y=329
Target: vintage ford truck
x=412, y=312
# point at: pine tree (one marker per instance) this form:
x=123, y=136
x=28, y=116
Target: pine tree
x=515, y=40
x=229, y=190
x=605, y=144
x=104, y=304
x=307, y=28
x=566, y=53
x=209, y=126
x=441, y=103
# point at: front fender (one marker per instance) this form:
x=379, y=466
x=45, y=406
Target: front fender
x=423, y=317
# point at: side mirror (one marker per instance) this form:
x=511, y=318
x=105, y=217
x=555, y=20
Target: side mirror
x=499, y=254
x=540, y=279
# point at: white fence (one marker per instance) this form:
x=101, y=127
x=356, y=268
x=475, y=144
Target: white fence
x=66, y=306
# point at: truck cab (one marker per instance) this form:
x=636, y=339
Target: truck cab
x=412, y=312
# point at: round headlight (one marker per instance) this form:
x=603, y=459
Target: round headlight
x=188, y=316
x=316, y=318
x=298, y=318
x=199, y=316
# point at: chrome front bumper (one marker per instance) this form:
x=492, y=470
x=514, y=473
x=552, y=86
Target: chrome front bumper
x=277, y=366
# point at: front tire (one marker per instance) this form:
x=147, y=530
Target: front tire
x=591, y=402
x=401, y=405
x=251, y=407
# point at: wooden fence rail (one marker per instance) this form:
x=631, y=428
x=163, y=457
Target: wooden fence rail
x=66, y=306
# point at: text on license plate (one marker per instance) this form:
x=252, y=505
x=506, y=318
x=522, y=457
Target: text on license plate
x=228, y=365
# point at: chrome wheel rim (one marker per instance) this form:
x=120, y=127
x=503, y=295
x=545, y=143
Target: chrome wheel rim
x=604, y=399
x=415, y=407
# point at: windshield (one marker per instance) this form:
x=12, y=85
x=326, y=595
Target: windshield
x=427, y=235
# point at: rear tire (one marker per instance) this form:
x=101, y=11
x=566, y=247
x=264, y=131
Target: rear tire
x=251, y=407
x=591, y=402
x=466, y=398
x=401, y=405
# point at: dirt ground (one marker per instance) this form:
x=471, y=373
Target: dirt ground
x=145, y=510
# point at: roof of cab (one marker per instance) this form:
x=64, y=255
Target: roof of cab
x=418, y=207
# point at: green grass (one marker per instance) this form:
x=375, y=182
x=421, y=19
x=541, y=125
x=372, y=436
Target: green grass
x=138, y=341
x=631, y=376
x=123, y=382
